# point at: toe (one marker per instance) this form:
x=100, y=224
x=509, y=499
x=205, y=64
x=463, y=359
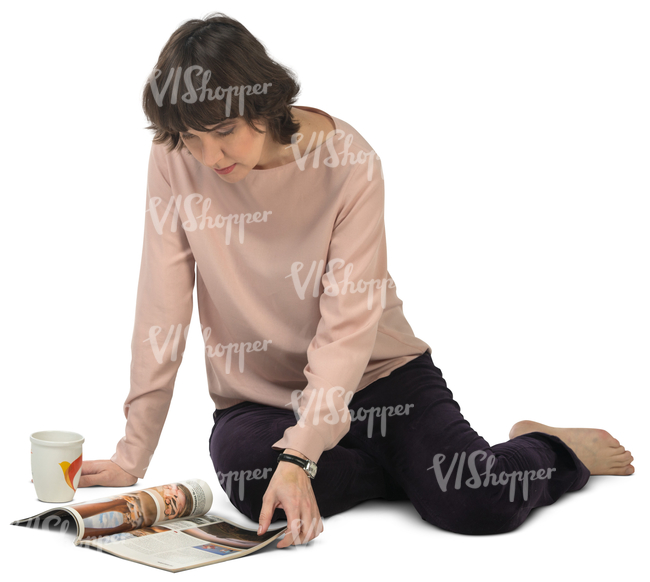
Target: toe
x=624, y=459
x=624, y=470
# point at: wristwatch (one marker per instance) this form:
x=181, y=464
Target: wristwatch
x=309, y=466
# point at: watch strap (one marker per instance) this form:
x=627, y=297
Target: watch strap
x=308, y=466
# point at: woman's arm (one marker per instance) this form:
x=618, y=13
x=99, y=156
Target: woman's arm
x=351, y=305
x=162, y=317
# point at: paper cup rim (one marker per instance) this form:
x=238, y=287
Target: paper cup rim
x=67, y=438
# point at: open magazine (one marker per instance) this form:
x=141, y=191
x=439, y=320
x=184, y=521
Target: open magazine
x=167, y=527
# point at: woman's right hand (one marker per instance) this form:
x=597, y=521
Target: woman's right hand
x=106, y=474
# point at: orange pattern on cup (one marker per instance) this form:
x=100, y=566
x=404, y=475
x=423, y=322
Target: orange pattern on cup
x=70, y=470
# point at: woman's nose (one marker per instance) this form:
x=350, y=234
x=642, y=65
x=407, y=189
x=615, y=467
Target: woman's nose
x=212, y=153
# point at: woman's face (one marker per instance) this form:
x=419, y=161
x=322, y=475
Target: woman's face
x=232, y=142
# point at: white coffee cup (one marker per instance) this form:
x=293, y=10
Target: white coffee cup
x=56, y=464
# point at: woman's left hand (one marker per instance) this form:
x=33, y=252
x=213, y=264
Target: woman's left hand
x=290, y=489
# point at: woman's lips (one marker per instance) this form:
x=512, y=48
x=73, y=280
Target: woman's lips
x=225, y=170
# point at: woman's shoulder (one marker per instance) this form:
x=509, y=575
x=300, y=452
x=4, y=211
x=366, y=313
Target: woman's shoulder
x=345, y=133
x=350, y=149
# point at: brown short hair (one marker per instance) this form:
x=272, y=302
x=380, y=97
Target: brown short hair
x=235, y=59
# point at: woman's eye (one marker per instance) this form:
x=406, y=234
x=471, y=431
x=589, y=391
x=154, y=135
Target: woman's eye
x=191, y=135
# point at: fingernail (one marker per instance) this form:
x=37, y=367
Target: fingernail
x=259, y=530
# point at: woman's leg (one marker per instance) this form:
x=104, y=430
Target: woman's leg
x=240, y=447
x=453, y=477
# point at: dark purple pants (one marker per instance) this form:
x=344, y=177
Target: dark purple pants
x=431, y=456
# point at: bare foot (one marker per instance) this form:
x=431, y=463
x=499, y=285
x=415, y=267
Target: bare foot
x=601, y=453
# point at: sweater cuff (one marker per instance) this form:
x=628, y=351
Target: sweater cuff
x=304, y=439
x=132, y=459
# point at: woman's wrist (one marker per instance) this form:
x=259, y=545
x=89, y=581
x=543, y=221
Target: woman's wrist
x=308, y=467
x=295, y=453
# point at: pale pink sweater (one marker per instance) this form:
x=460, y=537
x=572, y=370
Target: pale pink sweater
x=276, y=319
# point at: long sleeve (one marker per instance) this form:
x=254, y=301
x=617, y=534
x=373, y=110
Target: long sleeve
x=351, y=305
x=162, y=318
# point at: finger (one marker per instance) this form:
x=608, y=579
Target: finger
x=89, y=467
x=297, y=531
x=268, y=507
x=292, y=536
x=310, y=530
x=92, y=479
x=287, y=539
x=314, y=529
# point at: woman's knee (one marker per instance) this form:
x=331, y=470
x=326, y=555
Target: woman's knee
x=474, y=512
x=243, y=467
x=243, y=475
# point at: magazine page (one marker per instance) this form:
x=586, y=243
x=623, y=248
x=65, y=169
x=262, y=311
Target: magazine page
x=127, y=512
x=59, y=519
x=185, y=544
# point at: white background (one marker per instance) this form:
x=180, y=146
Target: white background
x=514, y=141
